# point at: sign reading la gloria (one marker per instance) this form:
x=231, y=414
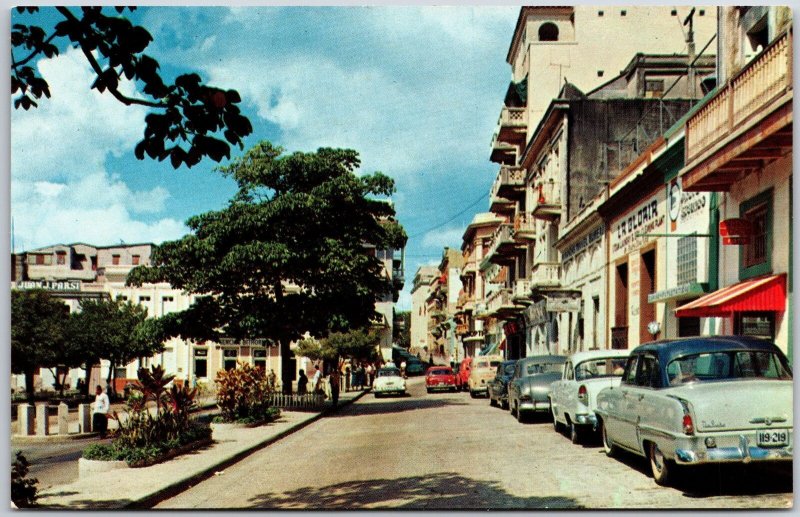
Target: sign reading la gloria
x=628, y=233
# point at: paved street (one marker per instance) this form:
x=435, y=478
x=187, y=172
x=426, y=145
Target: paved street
x=448, y=451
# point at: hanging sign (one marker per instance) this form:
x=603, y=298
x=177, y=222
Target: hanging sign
x=735, y=232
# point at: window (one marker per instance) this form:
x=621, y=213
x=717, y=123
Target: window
x=629, y=376
x=548, y=32
x=135, y=260
x=600, y=13
x=167, y=299
x=647, y=376
x=687, y=260
x=623, y=13
x=755, y=258
x=61, y=257
x=201, y=363
x=260, y=358
x=94, y=263
x=654, y=87
x=734, y=365
x=229, y=357
x=144, y=299
x=600, y=367
x=115, y=260
x=674, y=12
x=41, y=259
x=756, y=324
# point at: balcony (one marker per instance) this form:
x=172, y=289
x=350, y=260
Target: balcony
x=546, y=274
x=481, y=311
x=502, y=152
x=745, y=125
x=512, y=125
x=476, y=336
x=509, y=183
x=524, y=227
x=470, y=268
x=522, y=292
x=500, y=304
x=547, y=201
x=503, y=245
x=462, y=328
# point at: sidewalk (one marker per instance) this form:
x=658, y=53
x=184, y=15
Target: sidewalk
x=143, y=487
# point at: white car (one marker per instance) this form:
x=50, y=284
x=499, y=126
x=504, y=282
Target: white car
x=389, y=380
x=573, y=399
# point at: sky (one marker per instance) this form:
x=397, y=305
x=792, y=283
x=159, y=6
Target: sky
x=417, y=91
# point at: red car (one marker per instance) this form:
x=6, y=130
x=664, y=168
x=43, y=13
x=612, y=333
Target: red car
x=440, y=378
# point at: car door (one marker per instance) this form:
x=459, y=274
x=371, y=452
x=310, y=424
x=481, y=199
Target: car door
x=560, y=392
x=513, y=384
x=644, y=402
x=621, y=419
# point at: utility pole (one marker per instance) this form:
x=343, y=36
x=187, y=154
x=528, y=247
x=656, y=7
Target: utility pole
x=690, y=51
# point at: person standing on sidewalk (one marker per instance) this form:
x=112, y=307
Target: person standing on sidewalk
x=302, y=383
x=100, y=412
x=316, y=381
x=334, y=380
x=347, y=378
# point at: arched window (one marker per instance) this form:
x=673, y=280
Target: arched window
x=548, y=32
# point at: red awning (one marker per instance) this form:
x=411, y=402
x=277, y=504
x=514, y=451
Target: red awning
x=766, y=293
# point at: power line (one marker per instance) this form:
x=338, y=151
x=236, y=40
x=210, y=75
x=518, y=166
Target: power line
x=452, y=218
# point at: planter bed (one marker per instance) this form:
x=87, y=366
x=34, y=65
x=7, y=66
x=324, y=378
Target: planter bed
x=183, y=449
x=92, y=467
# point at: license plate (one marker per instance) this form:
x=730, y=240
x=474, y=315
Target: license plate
x=772, y=438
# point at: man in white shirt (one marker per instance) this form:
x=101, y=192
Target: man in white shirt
x=100, y=412
x=315, y=380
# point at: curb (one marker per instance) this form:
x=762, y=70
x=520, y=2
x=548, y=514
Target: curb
x=17, y=440
x=182, y=485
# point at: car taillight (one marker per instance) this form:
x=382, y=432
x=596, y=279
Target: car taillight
x=688, y=424
x=583, y=395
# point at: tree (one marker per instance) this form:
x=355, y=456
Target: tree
x=114, y=330
x=187, y=114
x=402, y=333
x=293, y=251
x=38, y=322
x=357, y=344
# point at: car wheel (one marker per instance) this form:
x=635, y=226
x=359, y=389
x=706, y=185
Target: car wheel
x=492, y=401
x=377, y=395
x=521, y=418
x=574, y=434
x=662, y=468
x=472, y=394
x=556, y=423
x=609, y=448
x=504, y=404
x=428, y=390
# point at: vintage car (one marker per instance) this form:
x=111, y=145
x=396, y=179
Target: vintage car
x=440, y=378
x=389, y=380
x=481, y=372
x=414, y=368
x=699, y=400
x=528, y=387
x=573, y=398
x=498, y=387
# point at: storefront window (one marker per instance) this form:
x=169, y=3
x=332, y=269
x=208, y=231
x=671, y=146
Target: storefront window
x=687, y=260
x=201, y=363
x=756, y=324
x=229, y=357
x=260, y=358
x=755, y=258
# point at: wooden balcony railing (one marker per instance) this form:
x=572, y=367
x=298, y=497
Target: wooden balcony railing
x=755, y=87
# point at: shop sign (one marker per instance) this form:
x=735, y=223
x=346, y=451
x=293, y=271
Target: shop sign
x=676, y=293
x=593, y=236
x=735, y=231
x=684, y=204
x=48, y=285
x=564, y=302
x=229, y=341
x=536, y=314
x=627, y=234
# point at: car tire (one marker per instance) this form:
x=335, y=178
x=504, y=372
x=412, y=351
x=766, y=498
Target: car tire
x=662, y=468
x=428, y=390
x=504, y=404
x=492, y=401
x=521, y=417
x=574, y=433
x=377, y=395
x=608, y=447
x=556, y=423
x=472, y=394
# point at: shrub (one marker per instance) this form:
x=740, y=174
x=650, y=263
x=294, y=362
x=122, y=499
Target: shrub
x=243, y=393
x=23, y=488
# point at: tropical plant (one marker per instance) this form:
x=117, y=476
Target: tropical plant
x=243, y=393
x=23, y=488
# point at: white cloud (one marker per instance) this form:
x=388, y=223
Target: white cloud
x=450, y=237
x=60, y=189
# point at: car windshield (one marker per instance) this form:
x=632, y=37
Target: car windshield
x=600, y=367
x=388, y=372
x=440, y=371
x=536, y=368
x=734, y=365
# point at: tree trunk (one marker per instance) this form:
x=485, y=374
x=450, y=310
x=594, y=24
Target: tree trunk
x=109, y=384
x=286, y=366
x=87, y=379
x=29, y=374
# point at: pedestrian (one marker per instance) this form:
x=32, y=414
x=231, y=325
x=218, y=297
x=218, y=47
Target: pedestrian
x=362, y=376
x=370, y=374
x=347, y=378
x=100, y=412
x=334, y=381
x=302, y=383
x=271, y=379
x=316, y=381
x=403, y=369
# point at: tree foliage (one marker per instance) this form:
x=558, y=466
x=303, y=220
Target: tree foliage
x=292, y=252
x=402, y=333
x=190, y=119
x=38, y=325
x=356, y=344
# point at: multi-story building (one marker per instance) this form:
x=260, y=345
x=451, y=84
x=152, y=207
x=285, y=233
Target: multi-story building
x=739, y=146
x=442, y=304
x=420, y=291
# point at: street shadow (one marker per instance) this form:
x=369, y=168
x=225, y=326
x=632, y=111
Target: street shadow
x=719, y=479
x=441, y=491
x=382, y=406
x=81, y=504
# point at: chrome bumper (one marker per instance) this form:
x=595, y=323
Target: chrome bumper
x=745, y=452
x=587, y=420
x=534, y=405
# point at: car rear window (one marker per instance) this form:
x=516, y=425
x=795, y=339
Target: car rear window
x=536, y=368
x=600, y=367
x=441, y=372
x=734, y=365
x=388, y=372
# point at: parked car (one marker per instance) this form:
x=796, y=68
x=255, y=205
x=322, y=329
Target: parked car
x=498, y=387
x=440, y=378
x=415, y=368
x=389, y=380
x=528, y=387
x=573, y=398
x=482, y=371
x=462, y=381
x=700, y=400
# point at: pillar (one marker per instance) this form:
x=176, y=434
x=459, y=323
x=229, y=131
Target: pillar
x=42, y=423
x=84, y=418
x=63, y=419
x=25, y=419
